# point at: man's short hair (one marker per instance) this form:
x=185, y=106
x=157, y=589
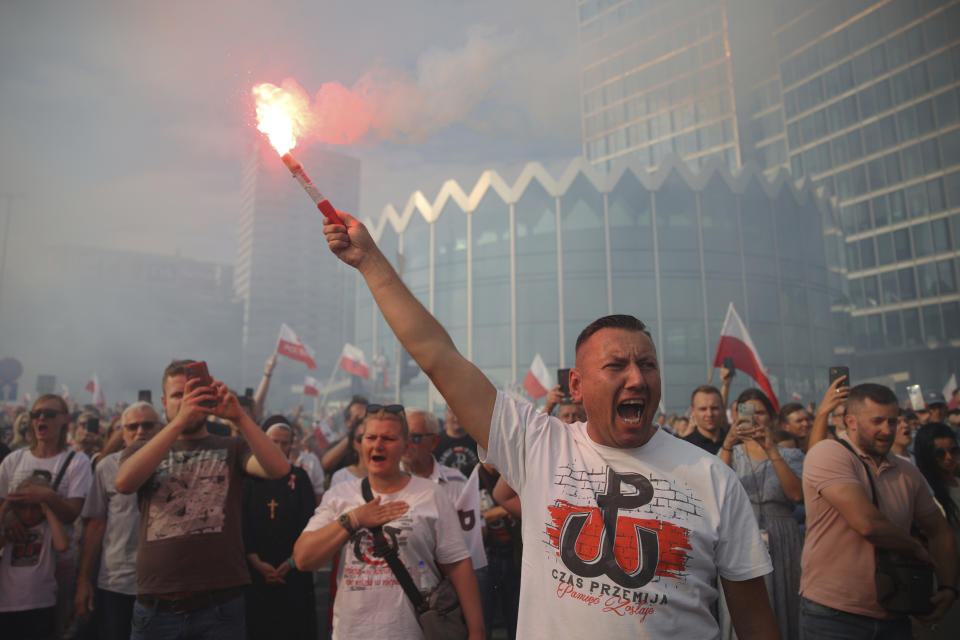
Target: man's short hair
x=275, y=420
x=706, y=388
x=433, y=425
x=787, y=409
x=871, y=391
x=140, y=405
x=175, y=368
x=616, y=321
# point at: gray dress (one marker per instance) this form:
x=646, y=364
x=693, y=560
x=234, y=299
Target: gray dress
x=774, y=513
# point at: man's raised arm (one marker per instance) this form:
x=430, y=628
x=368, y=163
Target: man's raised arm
x=467, y=391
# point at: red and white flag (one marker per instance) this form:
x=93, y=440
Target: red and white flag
x=735, y=343
x=288, y=344
x=538, y=380
x=94, y=387
x=311, y=386
x=353, y=362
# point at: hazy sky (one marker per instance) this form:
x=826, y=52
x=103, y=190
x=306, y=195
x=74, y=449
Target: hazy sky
x=125, y=124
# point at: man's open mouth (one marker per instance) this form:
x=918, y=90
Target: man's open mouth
x=631, y=411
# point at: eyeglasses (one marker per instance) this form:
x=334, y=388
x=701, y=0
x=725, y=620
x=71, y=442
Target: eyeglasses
x=134, y=426
x=45, y=413
x=395, y=409
x=415, y=438
x=940, y=454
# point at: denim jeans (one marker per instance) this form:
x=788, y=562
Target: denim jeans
x=821, y=622
x=221, y=622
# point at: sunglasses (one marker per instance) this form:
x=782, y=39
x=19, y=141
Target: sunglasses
x=49, y=414
x=415, y=438
x=395, y=409
x=940, y=454
x=135, y=426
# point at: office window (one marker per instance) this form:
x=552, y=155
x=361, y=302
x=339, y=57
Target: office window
x=885, y=253
x=868, y=256
x=875, y=330
x=951, y=320
x=891, y=163
x=898, y=206
x=902, y=91
x=922, y=241
x=894, y=330
x=946, y=277
x=917, y=201
x=911, y=327
x=925, y=119
x=940, y=229
x=871, y=291
x=861, y=213
x=935, y=196
x=891, y=292
x=856, y=293
x=881, y=211
x=945, y=105
x=932, y=327
x=953, y=190
x=877, y=174
x=912, y=161
x=907, y=121
x=927, y=279
x=853, y=256
x=908, y=286
x=930, y=151
x=888, y=131
x=901, y=244
x=950, y=145
x=919, y=80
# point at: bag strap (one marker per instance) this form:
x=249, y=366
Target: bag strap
x=383, y=549
x=63, y=469
x=873, y=489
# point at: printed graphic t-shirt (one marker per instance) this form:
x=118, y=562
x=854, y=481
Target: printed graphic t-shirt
x=27, y=572
x=190, y=536
x=370, y=603
x=677, y=515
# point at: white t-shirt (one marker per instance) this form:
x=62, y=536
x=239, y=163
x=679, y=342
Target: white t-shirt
x=343, y=475
x=20, y=465
x=663, y=500
x=118, y=562
x=370, y=603
x=311, y=464
x=27, y=572
x=464, y=495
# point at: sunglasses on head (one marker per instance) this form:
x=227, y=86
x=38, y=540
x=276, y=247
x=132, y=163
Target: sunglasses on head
x=940, y=454
x=395, y=409
x=45, y=413
x=134, y=426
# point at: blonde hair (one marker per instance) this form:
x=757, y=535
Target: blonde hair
x=62, y=440
x=383, y=414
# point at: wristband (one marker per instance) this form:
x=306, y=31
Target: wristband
x=730, y=449
x=293, y=565
x=946, y=587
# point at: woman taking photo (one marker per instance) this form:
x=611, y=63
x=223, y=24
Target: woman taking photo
x=418, y=522
x=771, y=476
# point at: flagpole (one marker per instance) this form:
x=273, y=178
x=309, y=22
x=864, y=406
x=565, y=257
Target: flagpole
x=712, y=371
x=326, y=389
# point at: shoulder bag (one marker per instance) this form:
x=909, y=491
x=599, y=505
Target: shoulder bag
x=904, y=584
x=438, y=612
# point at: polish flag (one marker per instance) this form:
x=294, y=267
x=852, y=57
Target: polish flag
x=735, y=343
x=353, y=362
x=94, y=387
x=948, y=390
x=311, y=386
x=538, y=381
x=288, y=344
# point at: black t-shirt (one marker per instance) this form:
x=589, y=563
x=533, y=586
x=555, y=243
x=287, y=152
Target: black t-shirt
x=704, y=442
x=459, y=453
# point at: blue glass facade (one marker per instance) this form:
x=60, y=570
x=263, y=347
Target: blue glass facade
x=516, y=271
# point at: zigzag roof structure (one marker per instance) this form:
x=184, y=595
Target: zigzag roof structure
x=418, y=204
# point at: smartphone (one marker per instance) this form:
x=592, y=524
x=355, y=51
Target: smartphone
x=916, y=397
x=728, y=365
x=144, y=395
x=745, y=411
x=198, y=371
x=840, y=372
x=248, y=392
x=563, y=379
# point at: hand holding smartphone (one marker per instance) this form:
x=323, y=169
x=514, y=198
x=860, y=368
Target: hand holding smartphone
x=198, y=371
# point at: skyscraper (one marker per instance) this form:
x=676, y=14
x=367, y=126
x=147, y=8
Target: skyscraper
x=860, y=97
x=284, y=272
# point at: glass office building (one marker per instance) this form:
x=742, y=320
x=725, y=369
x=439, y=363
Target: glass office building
x=862, y=97
x=513, y=271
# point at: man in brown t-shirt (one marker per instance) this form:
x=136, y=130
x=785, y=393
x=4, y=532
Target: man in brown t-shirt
x=191, y=567
x=844, y=527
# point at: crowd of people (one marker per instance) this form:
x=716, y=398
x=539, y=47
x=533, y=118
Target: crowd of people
x=595, y=514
